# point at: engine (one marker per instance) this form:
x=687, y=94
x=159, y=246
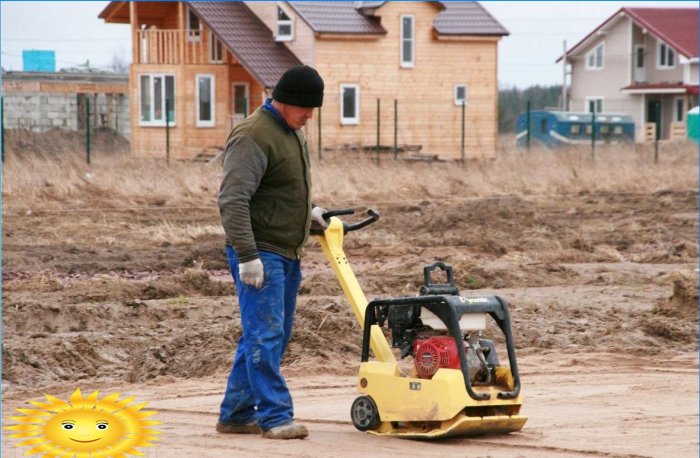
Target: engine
x=431, y=353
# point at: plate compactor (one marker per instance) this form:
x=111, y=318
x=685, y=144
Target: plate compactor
x=456, y=385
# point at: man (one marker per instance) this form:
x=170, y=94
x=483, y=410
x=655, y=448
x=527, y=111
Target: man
x=266, y=211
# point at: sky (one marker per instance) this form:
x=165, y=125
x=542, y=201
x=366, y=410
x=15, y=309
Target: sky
x=526, y=57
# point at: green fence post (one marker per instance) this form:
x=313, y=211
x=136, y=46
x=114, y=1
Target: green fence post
x=167, y=131
x=378, y=127
x=396, y=128
x=320, y=147
x=527, y=118
x=593, y=135
x=245, y=106
x=87, y=130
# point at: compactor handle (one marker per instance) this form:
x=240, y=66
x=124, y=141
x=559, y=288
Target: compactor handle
x=373, y=216
x=339, y=212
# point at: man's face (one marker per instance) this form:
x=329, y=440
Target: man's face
x=296, y=117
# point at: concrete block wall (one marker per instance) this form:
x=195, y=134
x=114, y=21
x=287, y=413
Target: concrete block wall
x=40, y=112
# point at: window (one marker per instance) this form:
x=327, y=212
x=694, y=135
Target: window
x=240, y=99
x=407, y=41
x=617, y=130
x=596, y=57
x=666, y=56
x=156, y=90
x=284, y=26
x=349, y=104
x=194, y=27
x=205, y=100
x=216, y=49
x=640, y=57
x=594, y=104
x=460, y=94
x=575, y=129
x=679, y=111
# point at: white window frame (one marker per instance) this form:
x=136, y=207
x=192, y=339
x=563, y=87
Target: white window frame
x=356, y=119
x=598, y=100
x=193, y=35
x=667, y=52
x=211, y=122
x=213, y=42
x=282, y=22
x=594, y=54
x=153, y=122
x=412, y=40
x=458, y=101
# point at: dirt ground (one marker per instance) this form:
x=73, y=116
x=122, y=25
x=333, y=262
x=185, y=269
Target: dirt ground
x=602, y=288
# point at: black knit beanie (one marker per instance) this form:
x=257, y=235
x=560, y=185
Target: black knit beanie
x=301, y=86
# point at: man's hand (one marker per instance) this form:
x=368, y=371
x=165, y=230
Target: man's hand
x=317, y=216
x=252, y=272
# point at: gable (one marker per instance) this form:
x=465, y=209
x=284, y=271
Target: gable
x=677, y=27
x=248, y=39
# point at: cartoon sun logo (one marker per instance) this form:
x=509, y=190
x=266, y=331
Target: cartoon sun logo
x=85, y=427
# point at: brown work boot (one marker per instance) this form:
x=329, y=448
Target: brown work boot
x=238, y=428
x=289, y=430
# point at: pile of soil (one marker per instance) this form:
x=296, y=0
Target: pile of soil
x=603, y=272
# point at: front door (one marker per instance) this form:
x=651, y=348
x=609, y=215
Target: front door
x=241, y=101
x=654, y=115
x=640, y=72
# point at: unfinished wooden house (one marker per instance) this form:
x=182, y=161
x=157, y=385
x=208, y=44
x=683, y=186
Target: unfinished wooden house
x=418, y=74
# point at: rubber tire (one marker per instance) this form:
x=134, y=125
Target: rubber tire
x=364, y=414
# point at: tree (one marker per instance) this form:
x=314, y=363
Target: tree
x=512, y=101
x=119, y=63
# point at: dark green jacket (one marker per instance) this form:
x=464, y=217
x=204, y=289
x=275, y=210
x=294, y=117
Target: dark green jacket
x=265, y=194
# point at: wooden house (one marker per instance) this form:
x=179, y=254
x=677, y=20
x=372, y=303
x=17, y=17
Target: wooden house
x=642, y=62
x=419, y=74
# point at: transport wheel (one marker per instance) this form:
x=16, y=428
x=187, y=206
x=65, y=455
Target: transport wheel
x=364, y=414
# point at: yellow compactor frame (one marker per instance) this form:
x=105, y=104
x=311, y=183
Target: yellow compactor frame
x=414, y=407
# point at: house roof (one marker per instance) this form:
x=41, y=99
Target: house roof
x=455, y=18
x=248, y=38
x=338, y=17
x=677, y=27
x=467, y=18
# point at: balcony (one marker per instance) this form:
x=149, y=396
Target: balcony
x=177, y=46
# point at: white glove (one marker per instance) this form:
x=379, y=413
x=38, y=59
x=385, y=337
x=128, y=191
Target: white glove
x=252, y=272
x=317, y=216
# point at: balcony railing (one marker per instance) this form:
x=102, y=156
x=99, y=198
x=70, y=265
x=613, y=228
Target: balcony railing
x=173, y=46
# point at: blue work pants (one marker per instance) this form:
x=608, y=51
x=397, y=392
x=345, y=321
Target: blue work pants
x=256, y=390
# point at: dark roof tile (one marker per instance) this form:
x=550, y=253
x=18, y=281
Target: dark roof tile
x=456, y=18
x=467, y=18
x=337, y=17
x=245, y=35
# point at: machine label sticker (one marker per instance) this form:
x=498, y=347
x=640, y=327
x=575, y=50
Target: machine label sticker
x=415, y=386
x=474, y=300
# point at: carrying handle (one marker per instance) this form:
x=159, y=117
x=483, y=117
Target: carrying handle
x=430, y=288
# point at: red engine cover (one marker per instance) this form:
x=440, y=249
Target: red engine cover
x=432, y=353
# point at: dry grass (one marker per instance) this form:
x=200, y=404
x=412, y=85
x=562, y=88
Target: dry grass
x=59, y=181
